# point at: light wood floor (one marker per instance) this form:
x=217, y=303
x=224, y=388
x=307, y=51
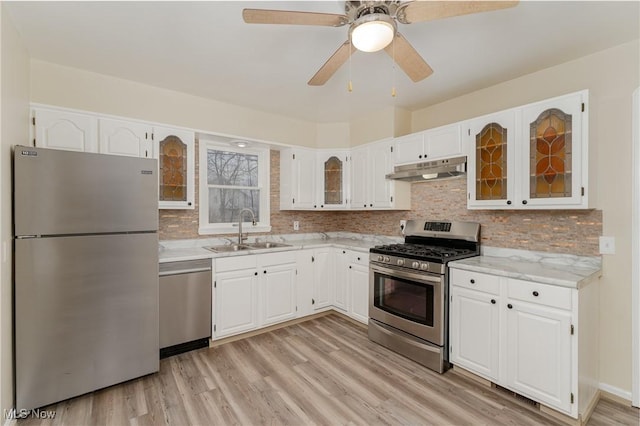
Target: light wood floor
x=323, y=371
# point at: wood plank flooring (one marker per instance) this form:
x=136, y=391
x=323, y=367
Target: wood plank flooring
x=321, y=372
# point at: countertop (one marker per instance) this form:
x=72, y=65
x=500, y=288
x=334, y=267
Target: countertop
x=173, y=251
x=547, y=268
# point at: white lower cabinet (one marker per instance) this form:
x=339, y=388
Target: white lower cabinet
x=277, y=289
x=359, y=292
x=536, y=339
x=539, y=353
x=323, y=277
x=474, y=331
x=341, y=291
x=235, y=296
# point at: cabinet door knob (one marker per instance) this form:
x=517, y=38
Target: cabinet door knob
x=315, y=206
x=472, y=281
x=493, y=301
x=265, y=272
x=344, y=252
x=321, y=206
x=365, y=205
x=510, y=306
x=509, y=202
x=358, y=258
x=255, y=273
x=420, y=156
x=535, y=293
x=349, y=266
x=524, y=201
x=370, y=205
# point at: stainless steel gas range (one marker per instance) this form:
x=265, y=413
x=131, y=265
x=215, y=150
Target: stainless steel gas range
x=409, y=288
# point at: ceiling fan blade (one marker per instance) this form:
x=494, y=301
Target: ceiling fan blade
x=288, y=17
x=419, y=11
x=403, y=53
x=336, y=60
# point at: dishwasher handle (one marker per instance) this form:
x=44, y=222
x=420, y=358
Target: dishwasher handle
x=184, y=267
x=183, y=271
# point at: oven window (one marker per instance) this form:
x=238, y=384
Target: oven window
x=404, y=298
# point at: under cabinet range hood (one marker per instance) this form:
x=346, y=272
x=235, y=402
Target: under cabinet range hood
x=446, y=168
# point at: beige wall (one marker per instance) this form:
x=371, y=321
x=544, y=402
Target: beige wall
x=74, y=88
x=14, y=129
x=611, y=77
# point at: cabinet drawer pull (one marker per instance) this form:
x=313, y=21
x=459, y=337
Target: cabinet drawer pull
x=535, y=293
x=493, y=301
x=510, y=306
x=472, y=281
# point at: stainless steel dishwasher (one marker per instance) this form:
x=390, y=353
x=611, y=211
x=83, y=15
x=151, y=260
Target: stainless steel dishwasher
x=185, y=306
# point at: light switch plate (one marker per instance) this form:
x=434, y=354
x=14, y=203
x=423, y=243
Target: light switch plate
x=607, y=245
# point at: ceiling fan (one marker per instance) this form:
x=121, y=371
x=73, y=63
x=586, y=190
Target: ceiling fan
x=373, y=27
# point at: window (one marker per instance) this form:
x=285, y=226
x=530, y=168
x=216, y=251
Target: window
x=232, y=179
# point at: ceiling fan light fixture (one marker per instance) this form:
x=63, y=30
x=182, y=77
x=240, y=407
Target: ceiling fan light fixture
x=374, y=32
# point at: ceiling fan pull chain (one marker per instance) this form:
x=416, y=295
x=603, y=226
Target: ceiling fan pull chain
x=393, y=69
x=350, y=86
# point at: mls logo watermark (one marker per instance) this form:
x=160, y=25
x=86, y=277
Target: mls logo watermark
x=23, y=414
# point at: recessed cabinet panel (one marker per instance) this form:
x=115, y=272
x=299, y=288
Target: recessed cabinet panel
x=127, y=138
x=333, y=181
x=65, y=130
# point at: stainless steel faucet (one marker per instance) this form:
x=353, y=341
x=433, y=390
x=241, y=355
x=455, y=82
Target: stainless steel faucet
x=253, y=222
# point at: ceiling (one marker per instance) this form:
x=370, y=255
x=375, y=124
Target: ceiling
x=205, y=49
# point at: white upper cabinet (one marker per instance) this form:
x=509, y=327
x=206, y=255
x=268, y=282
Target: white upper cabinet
x=432, y=144
x=491, y=160
x=530, y=157
x=175, y=151
x=298, y=179
x=369, y=188
x=341, y=179
x=332, y=179
x=120, y=137
x=60, y=129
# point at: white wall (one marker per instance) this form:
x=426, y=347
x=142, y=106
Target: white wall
x=611, y=77
x=14, y=129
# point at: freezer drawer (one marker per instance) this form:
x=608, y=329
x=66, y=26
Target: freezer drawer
x=62, y=192
x=185, y=302
x=86, y=314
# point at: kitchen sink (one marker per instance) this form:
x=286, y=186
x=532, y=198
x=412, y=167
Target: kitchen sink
x=266, y=245
x=248, y=246
x=228, y=248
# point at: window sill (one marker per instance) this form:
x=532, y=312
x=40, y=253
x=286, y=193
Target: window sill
x=231, y=229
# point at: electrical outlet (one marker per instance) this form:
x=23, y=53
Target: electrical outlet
x=403, y=224
x=296, y=225
x=607, y=245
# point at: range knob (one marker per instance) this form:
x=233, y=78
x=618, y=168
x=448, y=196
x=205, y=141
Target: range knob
x=400, y=262
x=380, y=258
x=386, y=259
x=415, y=265
x=424, y=266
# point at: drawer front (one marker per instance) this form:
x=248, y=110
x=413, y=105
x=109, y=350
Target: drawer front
x=475, y=280
x=541, y=294
x=359, y=258
x=278, y=258
x=235, y=263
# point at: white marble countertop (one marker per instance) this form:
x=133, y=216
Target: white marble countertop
x=547, y=268
x=178, y=250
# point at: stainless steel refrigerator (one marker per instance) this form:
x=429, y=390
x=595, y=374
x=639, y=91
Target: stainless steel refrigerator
x=86, y=272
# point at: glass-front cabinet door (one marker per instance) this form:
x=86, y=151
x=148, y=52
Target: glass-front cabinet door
x=491, y=174
x=332, y=192
x=175, y=152
x=552, y=152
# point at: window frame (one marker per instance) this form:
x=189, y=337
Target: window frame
x=264, y=173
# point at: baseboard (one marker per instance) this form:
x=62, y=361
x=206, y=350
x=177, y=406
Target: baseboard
x=615, y=394
x=222, y=341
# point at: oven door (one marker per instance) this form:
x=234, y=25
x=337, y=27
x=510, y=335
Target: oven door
x=410, y=301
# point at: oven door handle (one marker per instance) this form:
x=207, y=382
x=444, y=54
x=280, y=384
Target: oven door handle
x=396, y=273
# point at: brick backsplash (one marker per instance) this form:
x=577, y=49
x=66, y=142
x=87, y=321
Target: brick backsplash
x=558, y=231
